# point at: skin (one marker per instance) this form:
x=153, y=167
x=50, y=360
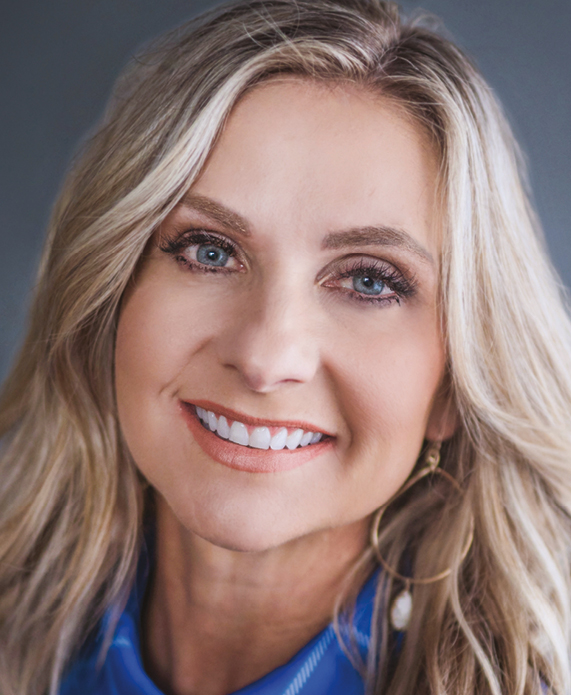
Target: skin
x=249, y=564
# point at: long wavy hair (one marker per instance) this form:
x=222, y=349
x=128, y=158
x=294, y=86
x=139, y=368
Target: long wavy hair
x=71, y=500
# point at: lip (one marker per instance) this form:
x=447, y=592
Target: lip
x=243, y=458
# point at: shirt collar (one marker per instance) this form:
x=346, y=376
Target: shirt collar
x=320, y=667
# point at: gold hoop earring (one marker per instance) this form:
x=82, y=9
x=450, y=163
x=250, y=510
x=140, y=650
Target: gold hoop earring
x=401, y=607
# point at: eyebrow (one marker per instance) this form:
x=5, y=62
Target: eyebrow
x=381, y=235
x=377, y=236
x=217, y=212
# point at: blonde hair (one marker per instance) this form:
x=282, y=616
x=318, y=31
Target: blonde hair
x=71, y=501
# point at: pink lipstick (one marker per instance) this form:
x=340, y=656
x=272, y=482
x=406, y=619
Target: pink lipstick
x=247, y=458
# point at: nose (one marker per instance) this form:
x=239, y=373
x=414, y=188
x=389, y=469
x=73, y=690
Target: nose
x=272, y=340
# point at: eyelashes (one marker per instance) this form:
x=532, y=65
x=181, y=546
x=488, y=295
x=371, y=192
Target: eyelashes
x=371, y=280
x=211, y=252
x=360, y=278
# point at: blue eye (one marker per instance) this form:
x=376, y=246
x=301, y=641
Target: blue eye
x=203, y=251
x=370, y=280
x=365, y=284
x=212, y=255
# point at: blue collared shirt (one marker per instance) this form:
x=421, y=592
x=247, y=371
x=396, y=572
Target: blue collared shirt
x=319, y=668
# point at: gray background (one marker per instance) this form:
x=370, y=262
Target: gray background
x=59, y=59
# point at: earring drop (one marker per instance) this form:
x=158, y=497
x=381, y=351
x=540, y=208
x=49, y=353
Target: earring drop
x=401, y=609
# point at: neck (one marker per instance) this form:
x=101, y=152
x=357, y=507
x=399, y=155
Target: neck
x=217, y=619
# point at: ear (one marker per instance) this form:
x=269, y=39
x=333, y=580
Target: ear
x=444, y=418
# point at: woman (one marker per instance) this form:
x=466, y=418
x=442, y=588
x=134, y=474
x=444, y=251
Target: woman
x=296, y=356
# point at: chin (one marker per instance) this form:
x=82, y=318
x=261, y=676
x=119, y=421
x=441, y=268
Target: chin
x=245, y=538
x=244, y=528
x=251, y=542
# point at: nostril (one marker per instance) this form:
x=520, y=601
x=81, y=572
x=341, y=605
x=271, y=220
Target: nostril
x=270, y=343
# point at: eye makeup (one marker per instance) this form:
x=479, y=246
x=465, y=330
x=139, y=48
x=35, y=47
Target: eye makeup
x=205, y=239
x=374, y=281
x=364, y=279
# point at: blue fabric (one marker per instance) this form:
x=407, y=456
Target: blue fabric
x=319, y=668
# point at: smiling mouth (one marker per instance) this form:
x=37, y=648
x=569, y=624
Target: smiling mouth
x=252, y=445
x=259, y=437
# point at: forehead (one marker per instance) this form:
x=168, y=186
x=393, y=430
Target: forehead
x=319, y=156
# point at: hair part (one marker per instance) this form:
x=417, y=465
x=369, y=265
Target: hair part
x=71, y=503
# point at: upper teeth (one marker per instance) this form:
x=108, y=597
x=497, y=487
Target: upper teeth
x=258, y=437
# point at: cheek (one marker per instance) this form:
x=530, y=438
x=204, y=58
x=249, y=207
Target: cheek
x=156, y=335
x=387, y=383
x=391, y=375
x=163, y=338
x=162, y=326
x=152, y=339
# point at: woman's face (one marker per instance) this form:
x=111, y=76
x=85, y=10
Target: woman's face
x=294, y=288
